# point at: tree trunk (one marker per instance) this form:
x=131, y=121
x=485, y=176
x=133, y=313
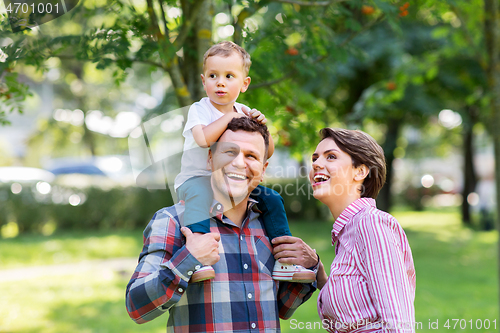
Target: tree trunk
x=384, y=200
x=491, y=38
x=470, y=179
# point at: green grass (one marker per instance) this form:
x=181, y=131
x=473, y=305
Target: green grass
x=456, y=277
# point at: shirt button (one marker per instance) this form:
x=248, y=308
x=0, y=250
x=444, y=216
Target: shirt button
x=245, y=266
x=241, y=237
x=190, y=272
x=253, y=325
x=197, y=267
x=219, y=207
x=249, y=295
x=180, y=290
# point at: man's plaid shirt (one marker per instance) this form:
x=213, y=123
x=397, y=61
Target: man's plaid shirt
x=243, y=297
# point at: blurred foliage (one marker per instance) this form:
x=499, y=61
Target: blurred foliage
x=385, y=66
x=120, y=208
x=117, y=208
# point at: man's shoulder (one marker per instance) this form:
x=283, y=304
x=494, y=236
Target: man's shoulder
x=167, y=215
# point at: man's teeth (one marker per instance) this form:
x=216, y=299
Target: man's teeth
x=235, y=175
x=321, y=178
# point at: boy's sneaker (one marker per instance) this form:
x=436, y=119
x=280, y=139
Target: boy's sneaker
x=202, y=274
x=292, y=273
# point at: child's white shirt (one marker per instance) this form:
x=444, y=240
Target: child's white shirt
x=194, y=157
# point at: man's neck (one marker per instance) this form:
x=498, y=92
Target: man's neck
x=236, y=214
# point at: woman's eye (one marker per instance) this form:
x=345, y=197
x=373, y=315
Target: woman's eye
x=314, y=159
x=331, y=157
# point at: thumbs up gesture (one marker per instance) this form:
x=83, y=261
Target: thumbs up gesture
x=204, y=247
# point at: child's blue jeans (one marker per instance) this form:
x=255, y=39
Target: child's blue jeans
x=197, y=195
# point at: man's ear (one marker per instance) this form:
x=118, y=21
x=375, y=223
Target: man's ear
x=246, y=83
x=264, y=171
x=361, y=172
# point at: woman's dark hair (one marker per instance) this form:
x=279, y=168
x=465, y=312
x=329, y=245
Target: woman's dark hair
x=363, y=149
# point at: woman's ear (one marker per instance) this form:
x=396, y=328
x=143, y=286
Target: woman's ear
x=361, y=172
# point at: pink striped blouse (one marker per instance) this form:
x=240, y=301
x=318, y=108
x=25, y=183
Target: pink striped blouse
x=371, y=287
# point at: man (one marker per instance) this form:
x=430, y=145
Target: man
x=243, y=297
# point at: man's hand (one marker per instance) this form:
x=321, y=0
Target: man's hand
x=204, y=247
x=293, y=250
x=255, y=114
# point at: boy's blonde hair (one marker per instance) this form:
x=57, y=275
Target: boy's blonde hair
x=225, y=49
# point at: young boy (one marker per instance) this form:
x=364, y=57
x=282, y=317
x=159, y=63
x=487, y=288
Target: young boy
x=225, y=75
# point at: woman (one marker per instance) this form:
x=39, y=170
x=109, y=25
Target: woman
x=371, y=287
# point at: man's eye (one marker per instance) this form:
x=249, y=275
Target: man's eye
x=231, y=152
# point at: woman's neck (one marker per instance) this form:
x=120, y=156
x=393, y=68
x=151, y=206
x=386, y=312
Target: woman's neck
x=338, y=204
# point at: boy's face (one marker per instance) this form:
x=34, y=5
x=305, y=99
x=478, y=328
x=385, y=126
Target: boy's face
x=224, y=79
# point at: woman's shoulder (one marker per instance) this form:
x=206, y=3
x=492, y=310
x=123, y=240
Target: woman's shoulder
x=372, y=217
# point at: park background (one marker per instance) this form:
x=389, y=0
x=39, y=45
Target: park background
x=91, y=101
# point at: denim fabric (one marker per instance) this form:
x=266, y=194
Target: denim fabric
x=197, y=194
x=271, y=204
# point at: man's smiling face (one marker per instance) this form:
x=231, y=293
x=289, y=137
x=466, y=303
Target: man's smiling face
x=238, y=165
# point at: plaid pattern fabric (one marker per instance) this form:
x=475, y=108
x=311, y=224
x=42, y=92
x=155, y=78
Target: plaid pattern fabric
x=243, y=297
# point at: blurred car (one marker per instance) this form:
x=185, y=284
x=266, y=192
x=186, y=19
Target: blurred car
x=101, y=171
x=25, y=175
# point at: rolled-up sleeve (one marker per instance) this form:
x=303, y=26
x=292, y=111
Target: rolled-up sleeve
x=162, y=274
x=292, y=295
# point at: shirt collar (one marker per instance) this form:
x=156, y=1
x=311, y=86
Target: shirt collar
x=348, y=214
x=217, y=209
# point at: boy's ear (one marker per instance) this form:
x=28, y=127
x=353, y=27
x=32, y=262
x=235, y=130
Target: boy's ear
x=361, y=172
x=202, y=79
x=246, y=83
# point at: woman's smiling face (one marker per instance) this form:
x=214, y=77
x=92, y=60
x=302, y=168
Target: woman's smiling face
x=332, y=174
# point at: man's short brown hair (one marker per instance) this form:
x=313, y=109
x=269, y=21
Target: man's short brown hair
x=363, y=149
x=248, y=124
x=225, y=49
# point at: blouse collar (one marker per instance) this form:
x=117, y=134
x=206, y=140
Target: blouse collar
x=348, y=214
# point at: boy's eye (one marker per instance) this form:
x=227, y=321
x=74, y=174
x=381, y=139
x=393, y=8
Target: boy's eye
x=212, y=76
x=229, y=76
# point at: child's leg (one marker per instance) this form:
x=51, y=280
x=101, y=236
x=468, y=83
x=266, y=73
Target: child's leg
x=273, y=211
x=197, y=195
x=276, y=224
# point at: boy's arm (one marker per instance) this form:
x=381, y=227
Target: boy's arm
x=205, y=135
x=270, y=151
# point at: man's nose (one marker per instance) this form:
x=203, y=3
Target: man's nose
x=239, y=161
